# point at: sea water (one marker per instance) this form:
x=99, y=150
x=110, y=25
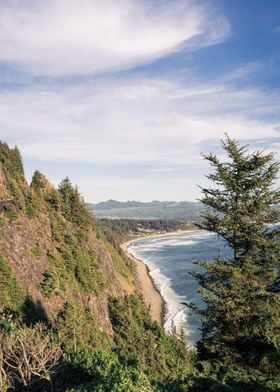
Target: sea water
x=170, y=261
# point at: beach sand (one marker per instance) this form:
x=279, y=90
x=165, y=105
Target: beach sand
x=152, y=296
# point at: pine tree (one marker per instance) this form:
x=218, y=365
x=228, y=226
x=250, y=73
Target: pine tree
x=241, y=319
x=73, y=206
x=36, y=182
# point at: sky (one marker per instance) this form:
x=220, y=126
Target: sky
x=124, y=97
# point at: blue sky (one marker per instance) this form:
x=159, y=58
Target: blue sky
x=124, y=96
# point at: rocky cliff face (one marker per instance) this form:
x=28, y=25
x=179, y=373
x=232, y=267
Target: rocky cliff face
x=52, y=252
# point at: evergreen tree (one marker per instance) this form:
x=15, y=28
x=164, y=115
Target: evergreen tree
x=17, y=161
x=73, y=206
x=241, y=319
x=36, y=182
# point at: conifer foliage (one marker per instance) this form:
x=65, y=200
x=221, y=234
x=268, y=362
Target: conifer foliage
x=241, y=319
x=74, y=208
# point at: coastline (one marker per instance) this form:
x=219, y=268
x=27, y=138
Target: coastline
x=151, y=294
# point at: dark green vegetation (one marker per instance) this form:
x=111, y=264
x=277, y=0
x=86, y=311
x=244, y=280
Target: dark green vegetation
x=118, y=230
x=140, y=357
x=188, y=211
x=11, y=293
x=72, y=318
x=241, y=321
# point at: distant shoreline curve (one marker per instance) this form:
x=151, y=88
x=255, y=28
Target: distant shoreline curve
x=152, y=296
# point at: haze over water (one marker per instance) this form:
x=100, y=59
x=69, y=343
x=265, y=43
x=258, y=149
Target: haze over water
x=170, y=260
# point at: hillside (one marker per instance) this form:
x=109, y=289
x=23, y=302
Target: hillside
x=185, y=210
x=50, y=245
x=57, y=267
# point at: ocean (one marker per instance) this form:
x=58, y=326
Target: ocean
x=170, y=261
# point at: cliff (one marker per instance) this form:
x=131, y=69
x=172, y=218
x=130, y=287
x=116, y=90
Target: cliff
x=52, y=252
x=71, y=317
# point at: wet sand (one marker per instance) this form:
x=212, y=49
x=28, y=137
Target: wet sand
x=152, y=297
x=151, y=294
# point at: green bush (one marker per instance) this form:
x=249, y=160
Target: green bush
x=102, y=371
x=143, y=343
x=11, y=211
x=79, y=329
x=57, y=227
x=48, y=284
x=12, y=295
x=215, y=376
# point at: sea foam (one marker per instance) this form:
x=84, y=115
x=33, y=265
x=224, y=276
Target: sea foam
x=175, y=312
x=170, y=262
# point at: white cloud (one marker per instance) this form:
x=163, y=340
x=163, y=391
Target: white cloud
x=140, y=121
x=157, y=125
x=64, y=37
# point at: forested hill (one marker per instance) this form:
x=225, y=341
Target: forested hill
x=148, y=210
x=71, y=312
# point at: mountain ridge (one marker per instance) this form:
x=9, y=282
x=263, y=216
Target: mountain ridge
x=155, y=209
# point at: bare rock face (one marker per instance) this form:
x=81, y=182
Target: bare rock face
x=25, y=243
x=45, y=185
x=99, y=306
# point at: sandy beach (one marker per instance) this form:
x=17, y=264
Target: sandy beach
x=151, y=295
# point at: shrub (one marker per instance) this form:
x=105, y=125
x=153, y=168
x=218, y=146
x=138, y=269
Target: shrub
x=30, y=357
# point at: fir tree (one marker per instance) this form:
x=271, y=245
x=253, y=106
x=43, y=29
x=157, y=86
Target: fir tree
x=241, y=319
x=36, y=182
x=73, y=206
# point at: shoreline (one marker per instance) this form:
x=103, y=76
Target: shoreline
x=152, y=295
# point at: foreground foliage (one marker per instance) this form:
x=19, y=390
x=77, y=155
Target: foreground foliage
x=241, y=321
x=163, y=357
x=29, y=356
x=142, y=357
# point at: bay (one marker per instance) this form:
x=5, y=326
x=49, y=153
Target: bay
x=170, y=260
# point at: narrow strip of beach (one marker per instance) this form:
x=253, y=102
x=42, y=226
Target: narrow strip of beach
x=151, y=294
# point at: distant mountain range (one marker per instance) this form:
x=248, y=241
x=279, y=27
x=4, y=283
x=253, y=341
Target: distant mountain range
x=114, y=209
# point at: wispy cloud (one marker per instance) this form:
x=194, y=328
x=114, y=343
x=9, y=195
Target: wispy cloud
x=242, y=71
x=65, y=37
x=135, y=121
x=63, y=99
